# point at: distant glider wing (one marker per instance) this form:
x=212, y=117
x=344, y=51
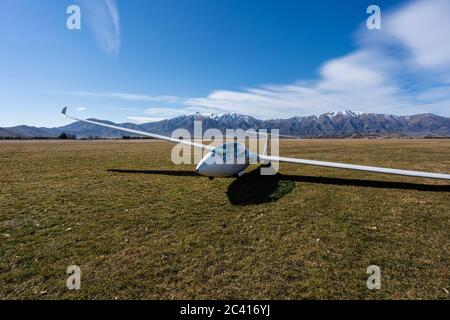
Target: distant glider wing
x=142, y=133
x=358, y=167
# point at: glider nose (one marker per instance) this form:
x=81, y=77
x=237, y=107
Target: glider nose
x=200, y=167
x=206, y=168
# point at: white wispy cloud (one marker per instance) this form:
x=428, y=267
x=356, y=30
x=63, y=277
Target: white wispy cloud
x=402, y=69
x=102, y=18
x=140, y=120
x=175, y=112
x=424, y=28
x=121, y=96
x=80, y=108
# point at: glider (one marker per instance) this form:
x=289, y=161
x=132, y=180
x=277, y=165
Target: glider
x=216, y=162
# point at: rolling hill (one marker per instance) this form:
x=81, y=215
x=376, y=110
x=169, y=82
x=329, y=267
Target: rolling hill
x=340, y=124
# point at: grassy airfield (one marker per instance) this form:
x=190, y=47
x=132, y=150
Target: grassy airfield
x=140, y=227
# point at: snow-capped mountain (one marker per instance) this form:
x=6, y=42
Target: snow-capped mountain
x=333, y=124
x=345, y=113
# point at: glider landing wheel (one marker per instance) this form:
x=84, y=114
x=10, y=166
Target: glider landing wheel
x=266, y=165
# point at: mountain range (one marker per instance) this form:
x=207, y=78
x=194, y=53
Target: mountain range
x=339, y=124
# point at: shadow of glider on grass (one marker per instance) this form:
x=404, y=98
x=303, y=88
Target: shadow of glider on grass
x=213, y=164
x=254, y=188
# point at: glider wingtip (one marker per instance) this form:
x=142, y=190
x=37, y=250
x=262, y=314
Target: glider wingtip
x=63, y=111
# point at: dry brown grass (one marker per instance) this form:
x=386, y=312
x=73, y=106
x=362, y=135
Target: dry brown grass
x=169, y=234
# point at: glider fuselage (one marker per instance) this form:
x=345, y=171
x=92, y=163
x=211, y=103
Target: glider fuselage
x=227, y=160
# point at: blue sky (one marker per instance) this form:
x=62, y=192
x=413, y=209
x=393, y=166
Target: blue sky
x=148, y=60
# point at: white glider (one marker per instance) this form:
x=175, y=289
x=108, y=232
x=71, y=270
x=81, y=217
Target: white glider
x=216, y=163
